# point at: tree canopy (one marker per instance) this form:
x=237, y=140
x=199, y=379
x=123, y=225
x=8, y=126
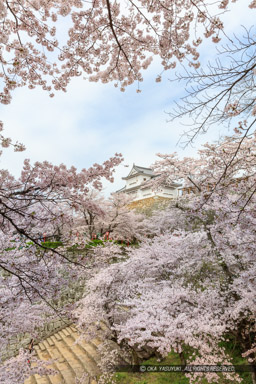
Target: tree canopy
x=105, y=40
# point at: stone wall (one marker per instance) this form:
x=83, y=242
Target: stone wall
x=71, y=295
x=147, y=206
x=23, y=340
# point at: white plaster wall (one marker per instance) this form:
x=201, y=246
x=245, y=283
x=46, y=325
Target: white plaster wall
x=148, y=192
x=136, y=180
x=168, y=192
x=163, y=192
x=132, y=182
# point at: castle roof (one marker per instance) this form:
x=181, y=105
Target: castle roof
x=137, y=170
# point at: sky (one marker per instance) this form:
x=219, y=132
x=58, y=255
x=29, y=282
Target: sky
x=92, y=121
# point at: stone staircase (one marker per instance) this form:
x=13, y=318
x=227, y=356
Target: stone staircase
x=71, y=359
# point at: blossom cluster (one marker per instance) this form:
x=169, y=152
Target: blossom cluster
x=106, y=41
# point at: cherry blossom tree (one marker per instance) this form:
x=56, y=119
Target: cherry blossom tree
x=16, y=370
x=193, y=286
x=107, y=41
x=88, y=213
x=38, y=204
x=98, y=215
x=120, y=221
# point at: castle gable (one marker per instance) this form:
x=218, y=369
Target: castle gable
x=138, y=185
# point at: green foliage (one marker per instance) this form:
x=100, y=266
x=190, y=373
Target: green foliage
x=52, y=244
x=10, y=249
x=154, y=377
x=179, y=377
x=233, y=349
x=94, y=243
x=18, y=246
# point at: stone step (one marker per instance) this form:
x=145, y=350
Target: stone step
x=30, y=380
x=104, y=326
x=94, y=341
x=43, y=354
x=72, y=357
x=77, y=361
x=42, y=379
x=70, y=354
x=85, y=350
x=87, y=346
x=62, y=364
